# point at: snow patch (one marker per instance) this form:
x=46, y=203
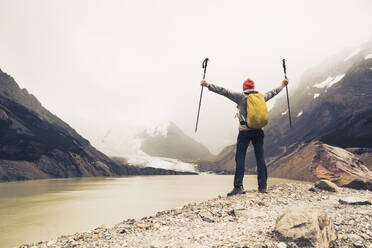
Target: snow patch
x=330, y=81
x=284, y=113
x=316, y=95
x=355, y=52
x=369, y=56
x=336, y=80
x=324, y=83
x=299, y=114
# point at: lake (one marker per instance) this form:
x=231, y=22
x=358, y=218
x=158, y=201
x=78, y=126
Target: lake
x=45, y=209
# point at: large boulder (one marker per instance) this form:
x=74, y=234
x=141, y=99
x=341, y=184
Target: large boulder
x=305, y=227
x=315, y=161
x=341, y=167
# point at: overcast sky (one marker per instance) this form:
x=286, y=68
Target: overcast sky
x=118, y=65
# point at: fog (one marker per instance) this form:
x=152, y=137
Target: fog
x=111, y=68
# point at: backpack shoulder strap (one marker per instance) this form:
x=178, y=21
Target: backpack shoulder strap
x=252, y=92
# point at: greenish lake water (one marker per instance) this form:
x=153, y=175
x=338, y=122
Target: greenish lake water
x=45, y=209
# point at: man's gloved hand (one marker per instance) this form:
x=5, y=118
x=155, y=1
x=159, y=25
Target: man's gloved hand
x=204, y=83
x=284, y=82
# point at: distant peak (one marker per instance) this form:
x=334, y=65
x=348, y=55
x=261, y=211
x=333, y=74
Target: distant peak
x=160, y=129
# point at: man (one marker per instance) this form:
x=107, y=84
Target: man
x=246, y=134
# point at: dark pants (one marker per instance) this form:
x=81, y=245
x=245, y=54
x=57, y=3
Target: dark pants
x=244, y=137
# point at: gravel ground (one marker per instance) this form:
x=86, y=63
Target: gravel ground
x=239, y=221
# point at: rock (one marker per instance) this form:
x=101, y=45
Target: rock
x=242, y=212
x=351, y=200
x=326, y=185
x=307, y=227
x=231, y=212
x=249, y=213
x=73, y=244
x=207, y=218
x=341, y=167
x=257, y=246
x=3, y=115
x=142, y=226
x=281, y=245
x=312, y=189
x=358, y=244
x=316, y=161
x=131, y=221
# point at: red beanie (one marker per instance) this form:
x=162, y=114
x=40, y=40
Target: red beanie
x=248, y=84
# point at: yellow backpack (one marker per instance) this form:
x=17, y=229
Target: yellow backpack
x=257, y=114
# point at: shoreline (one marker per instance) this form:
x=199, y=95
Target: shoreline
x=176, y=173
x=238, y=221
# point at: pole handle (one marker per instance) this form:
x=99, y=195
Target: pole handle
x=284, y=68
x=204, y=66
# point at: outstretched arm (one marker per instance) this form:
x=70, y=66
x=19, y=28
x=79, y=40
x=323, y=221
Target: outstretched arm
x=275, y=91
x=233, y=96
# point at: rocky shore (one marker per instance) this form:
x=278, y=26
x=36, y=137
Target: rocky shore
x=277, y=219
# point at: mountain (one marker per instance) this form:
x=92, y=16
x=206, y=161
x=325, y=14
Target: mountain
x=223, y=163
x=171, y=142
x=35, y=144
x=332, y=103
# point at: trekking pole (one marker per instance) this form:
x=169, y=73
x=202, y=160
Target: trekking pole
x=286, y=87
x=204, y=66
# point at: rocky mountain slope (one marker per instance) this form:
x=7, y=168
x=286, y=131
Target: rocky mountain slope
x=171, y=142
x=35, y=144
x=332, y=103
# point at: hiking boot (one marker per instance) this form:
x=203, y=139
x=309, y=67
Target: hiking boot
x=262, y=190
x=236, y=191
